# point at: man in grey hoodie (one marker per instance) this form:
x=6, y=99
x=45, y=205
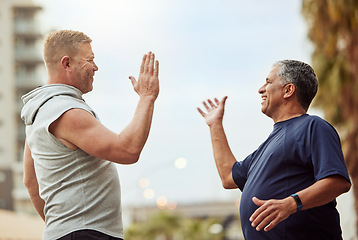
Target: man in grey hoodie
x=69, y=156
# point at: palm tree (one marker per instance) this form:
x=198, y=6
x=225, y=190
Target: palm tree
x=333, y=30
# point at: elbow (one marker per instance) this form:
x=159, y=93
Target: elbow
x=27, y=183
x=228, y=181
x=127, y=158
x=228, y=184
x=132, y=158
x=131, y=155
x=346, y=187
x=32, y=187
x=344, y=184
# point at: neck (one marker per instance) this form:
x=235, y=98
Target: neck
x=288, y=112
x=287, y=117
x=57, y=78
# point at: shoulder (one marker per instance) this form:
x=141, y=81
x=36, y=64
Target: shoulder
x=320, y=123
x=61, y=104
x=317, y=127
x=311, y=121
x=75, y=119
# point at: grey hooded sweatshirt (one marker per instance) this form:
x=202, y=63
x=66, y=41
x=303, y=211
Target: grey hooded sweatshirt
x=79, y=190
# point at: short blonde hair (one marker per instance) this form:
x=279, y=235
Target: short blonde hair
x=62, y=43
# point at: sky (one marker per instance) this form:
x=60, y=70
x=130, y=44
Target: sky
x=206, y=49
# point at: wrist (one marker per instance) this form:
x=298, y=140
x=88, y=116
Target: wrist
x=297, y=202
x=216, y=124
x=148, y=98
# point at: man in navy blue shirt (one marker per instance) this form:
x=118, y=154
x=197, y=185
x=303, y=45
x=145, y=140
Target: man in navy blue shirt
x=290, y=183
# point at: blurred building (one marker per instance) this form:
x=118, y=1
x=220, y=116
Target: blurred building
x=21, y=71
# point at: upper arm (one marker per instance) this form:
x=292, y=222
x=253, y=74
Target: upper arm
x=326, y=152
x=229, y=182
x=80, y=128
x=240, y=170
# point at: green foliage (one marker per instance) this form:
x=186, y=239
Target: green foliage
x=165, y=225
x=333, y=30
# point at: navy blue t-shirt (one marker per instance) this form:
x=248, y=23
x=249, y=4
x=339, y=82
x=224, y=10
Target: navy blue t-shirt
x=298, y=152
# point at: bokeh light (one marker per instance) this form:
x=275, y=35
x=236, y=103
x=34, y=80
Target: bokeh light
x=180, y=163
x=144, y=182
x=162, y=202
x=148, y=193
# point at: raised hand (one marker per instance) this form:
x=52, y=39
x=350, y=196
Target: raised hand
x=215, y=111
x=148, y=81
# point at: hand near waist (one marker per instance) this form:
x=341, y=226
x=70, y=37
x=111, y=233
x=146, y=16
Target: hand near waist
x=271, y=212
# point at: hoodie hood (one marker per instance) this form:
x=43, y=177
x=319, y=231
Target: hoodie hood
x=39, y=96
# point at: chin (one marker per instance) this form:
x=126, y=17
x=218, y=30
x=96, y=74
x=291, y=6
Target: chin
x=263, y=110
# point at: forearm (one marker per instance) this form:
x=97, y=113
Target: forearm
x=38, y=202
x=323, y=191
x=30, y=182
x=137, y=131
x=224, y=159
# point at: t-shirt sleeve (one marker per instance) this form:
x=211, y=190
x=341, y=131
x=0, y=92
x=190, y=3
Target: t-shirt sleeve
x=239, y=172
x=326, y=151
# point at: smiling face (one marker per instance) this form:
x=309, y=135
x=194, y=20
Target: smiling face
x=272, y=93
x=84, y=68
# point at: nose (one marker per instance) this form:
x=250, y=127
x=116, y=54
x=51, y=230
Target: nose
x=95, y=67
x=262, y=89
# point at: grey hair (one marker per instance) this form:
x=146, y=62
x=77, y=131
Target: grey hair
x=302, y=76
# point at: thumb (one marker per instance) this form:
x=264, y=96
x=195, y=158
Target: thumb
x=257, y=201
x=223, y=101
x=133, y=80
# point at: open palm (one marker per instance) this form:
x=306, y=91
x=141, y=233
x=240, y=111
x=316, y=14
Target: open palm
x=215, y=111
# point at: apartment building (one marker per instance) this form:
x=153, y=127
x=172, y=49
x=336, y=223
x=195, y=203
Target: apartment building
x=21, y=71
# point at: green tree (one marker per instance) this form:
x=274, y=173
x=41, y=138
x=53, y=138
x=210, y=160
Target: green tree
x=333, y=30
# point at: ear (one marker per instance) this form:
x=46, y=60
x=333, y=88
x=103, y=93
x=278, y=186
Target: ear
x=65, y=63
x=289, y=90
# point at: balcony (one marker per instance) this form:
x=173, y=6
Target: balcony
x=27, y=29
x=28, y=55
x=29, y=80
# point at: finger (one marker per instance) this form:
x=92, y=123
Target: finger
x=261, y=220
x=156, y=70
x=265, y=222
x=151, y=64
x=258, y=211
x=271, y=225
x=143, y=63
x=201, y=112
x=257, y=201
x=133, y=80
x=146, y=64
x=206, y=106
x=216, y=101
x=211, y=103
